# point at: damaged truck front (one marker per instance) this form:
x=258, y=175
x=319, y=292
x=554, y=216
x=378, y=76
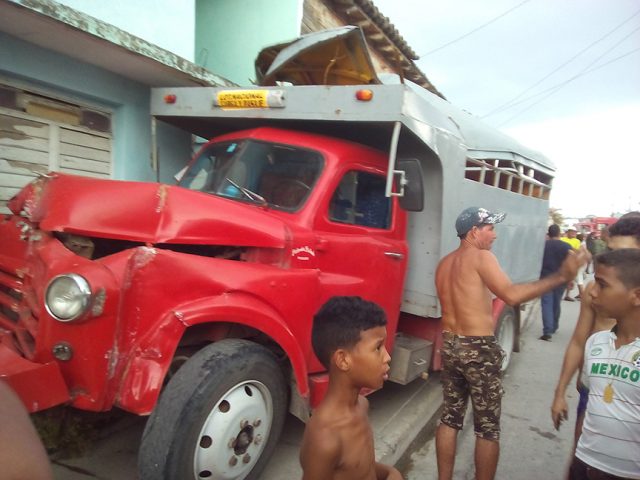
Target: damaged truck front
x=194, y=302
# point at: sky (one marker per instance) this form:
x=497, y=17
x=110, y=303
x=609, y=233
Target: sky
x=560, y=76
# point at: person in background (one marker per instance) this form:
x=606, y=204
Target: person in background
x=22, y=455
x=582, y=271
x=570, y=237
x=555, y=251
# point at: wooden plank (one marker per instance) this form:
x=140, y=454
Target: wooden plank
x=21, y=168
x=85, y=152
x=13, y=180
x=84, y=164
x=12, y=126
x=30, y=143
x=24, y=155
x=85, y=139
x=84, y=174
x=7, y=192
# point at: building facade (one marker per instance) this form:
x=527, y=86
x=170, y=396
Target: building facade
x=75, y=76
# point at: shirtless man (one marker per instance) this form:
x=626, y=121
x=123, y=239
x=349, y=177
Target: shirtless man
x=625, y=233
x=471, y=356
x=348, y=337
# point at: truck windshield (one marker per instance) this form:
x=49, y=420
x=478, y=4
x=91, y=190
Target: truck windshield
x=259, y=172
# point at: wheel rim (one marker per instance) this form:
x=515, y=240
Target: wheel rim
x=235, y=433
x=506, y=338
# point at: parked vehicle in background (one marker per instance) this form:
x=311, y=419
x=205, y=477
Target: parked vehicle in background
x=594, y=224
x=194, y=302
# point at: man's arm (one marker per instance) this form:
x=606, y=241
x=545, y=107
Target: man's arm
x=573, y=356
x=319, y=454
x=22, y=455
x=514, y=293
x=386, y=472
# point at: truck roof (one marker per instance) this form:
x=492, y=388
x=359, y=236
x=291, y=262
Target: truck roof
x=335, y=111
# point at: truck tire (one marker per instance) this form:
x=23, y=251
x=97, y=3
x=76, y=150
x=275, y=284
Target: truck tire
x=506, y=333
x=219, y=417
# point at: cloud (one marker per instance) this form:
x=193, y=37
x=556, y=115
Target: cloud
x=596, y=158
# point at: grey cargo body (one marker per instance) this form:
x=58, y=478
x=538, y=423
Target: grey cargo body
x=432, y=130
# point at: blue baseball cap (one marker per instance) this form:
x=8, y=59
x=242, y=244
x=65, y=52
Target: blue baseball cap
x=476, y=216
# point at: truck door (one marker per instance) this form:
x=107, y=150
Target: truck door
x=360, y=242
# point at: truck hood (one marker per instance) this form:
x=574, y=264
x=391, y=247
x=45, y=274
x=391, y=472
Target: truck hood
x=145, y=212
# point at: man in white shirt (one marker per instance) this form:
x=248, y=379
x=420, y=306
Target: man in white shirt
x=609, y=447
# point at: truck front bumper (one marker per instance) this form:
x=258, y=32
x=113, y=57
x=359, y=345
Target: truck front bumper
x=39, y=386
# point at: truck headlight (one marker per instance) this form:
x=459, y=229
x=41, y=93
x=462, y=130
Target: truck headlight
x=67, y=297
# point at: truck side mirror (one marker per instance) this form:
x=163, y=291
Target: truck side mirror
x=411, y=184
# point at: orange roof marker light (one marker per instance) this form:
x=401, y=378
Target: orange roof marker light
x=364, y=95
x=170, y=98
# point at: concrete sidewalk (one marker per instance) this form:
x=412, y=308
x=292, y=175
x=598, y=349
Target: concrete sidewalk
x=398, y=414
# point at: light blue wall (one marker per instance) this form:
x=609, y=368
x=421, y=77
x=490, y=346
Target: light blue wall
x=84, y=83
x=230, y=33
x=169, y=24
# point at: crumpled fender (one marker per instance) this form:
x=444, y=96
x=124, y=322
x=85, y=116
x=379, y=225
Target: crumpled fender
x=39, y=385
x=145, y=372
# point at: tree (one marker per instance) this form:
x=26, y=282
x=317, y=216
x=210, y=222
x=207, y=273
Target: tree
x=555, y=215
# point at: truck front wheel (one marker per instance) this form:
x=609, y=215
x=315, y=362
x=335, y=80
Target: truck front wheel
x=219, y=416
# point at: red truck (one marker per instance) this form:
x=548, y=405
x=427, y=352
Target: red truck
x=594, y=224
x=193, y=302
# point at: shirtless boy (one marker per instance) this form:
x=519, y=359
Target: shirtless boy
x=472, y=358
x=625, y=233
x=348, y=337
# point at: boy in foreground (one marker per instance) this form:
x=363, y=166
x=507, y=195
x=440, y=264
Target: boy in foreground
x=610, y=440
x=625, y=233
x=348, y=337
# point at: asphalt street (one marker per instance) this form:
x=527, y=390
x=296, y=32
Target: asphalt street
x=530, y=446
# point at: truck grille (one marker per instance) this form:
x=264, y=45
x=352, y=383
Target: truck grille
x=16, y=321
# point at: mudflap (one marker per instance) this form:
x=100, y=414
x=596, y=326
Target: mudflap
x=39, y=386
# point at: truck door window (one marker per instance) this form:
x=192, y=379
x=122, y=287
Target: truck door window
x=360, y=200
x=260, y=172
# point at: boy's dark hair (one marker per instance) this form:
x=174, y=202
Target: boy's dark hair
x=626, y=261
x=631, y=214
x=554, y=231
x=627, y=226
x=339, y=322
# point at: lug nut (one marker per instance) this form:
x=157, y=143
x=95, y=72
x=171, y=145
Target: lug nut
x=233, y=461
x=257, y=422
x=232, y=443
x=258, y=439
x=244, y=423
x=246, y=458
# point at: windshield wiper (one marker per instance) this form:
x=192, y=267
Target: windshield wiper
x=253, y=196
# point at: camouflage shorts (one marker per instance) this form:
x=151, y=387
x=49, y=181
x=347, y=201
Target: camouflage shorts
x=471, y=367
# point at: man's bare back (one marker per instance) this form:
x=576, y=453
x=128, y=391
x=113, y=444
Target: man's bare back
x=465, y=298
x=342, y=441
